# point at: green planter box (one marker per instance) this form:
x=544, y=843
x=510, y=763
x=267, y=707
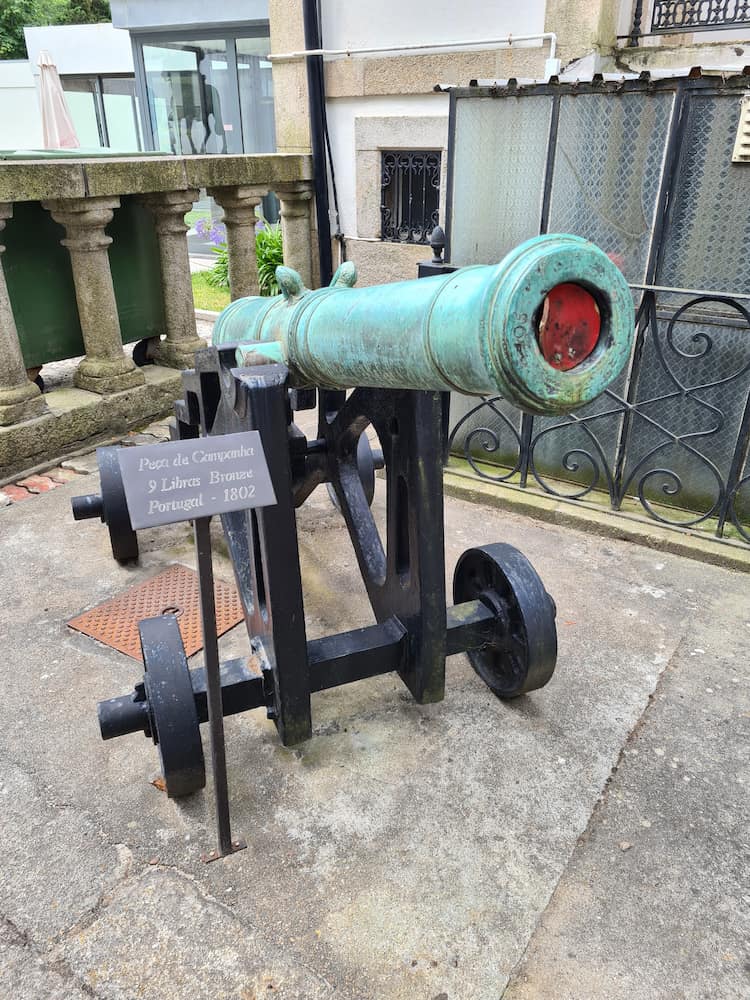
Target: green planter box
x=40, y=279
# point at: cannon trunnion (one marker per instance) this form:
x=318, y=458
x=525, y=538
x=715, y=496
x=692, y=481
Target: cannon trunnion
x=403, y=346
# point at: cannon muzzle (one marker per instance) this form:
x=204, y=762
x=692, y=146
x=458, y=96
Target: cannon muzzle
x=549, y=328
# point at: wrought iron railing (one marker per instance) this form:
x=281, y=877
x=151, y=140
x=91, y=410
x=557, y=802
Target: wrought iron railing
x=698, y=15
x=669, y=16
x=673, y=437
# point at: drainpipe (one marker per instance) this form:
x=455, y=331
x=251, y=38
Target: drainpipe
x=317, y=98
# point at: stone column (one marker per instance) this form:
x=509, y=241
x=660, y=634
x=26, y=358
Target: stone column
x=169, y=209
x=20, y=399
x=295, y=227
x=106, y=368
x=239, y=204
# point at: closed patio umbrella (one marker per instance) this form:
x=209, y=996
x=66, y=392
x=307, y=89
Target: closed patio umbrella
x=57, y=125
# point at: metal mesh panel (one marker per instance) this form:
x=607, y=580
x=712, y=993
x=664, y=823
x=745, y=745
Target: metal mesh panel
x=499, y=165
x=607, y=174
x=673, y=431
x=707, y=239
x=607, y=171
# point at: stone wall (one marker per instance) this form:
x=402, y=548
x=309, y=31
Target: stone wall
x=388, y=101
x=82, y=196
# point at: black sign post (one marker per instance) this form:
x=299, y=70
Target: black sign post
x=202, y=529
x=193, y=480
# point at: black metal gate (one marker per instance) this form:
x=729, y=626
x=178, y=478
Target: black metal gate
x=642, y=168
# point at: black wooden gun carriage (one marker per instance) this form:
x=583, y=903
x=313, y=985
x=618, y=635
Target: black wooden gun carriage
x=417, y=340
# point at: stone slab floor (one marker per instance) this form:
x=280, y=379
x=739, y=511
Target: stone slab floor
x=588, y=841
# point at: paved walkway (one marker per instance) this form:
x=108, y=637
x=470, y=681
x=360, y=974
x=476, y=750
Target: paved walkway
x=201, y=262
x=589, y=841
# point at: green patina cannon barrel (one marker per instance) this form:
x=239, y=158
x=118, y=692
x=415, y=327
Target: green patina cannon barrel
x=549, y=328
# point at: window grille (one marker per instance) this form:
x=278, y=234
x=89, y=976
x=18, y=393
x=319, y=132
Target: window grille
x=410, y=194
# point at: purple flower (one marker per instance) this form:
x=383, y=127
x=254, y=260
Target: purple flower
x=211, y=230
x=218, y=233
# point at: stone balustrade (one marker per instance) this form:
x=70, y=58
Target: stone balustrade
x=115, y=216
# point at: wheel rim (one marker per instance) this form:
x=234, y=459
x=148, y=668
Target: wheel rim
x=123, y=539
x=171, y=704
x=523, y=656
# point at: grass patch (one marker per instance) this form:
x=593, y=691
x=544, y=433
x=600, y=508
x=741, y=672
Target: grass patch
x=205, y=296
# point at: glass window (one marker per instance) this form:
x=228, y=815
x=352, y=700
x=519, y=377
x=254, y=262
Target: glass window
x=121, y=113
x=104, y=111
x=256, y=95
x=190, y=97
x=80, y=96
x=209, y=95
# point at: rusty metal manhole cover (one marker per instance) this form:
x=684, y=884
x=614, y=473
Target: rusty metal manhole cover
x=175, y=591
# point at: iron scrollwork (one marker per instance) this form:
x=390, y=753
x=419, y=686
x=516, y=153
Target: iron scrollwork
x=733, y=498
x=410, y=192
x=488, y=440
x=637, y=466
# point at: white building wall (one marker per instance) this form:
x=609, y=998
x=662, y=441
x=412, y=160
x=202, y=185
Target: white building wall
x=415, y=22
x=341, y=118
x=81, y=49
x=360, y=126
x=20, y=118
x=163, y=15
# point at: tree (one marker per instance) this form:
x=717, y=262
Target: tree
x=86, y=12
x=15, y=15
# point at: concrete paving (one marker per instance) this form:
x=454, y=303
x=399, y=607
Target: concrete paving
x=587, y=841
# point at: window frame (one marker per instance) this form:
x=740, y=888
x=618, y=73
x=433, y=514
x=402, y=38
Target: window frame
x=95, y=81
x=373, y=135
x=229, y=34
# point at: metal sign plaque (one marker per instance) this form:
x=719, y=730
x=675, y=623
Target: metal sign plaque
x=184, y=480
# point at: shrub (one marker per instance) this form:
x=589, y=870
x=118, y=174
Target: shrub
x=218, y=276
x=268, y=248
x=216, y=233
x=270, y=253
